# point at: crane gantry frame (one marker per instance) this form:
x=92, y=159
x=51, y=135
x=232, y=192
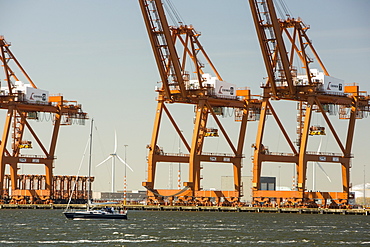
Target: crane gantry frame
x=175, y=89
x=19, y=112
x=274, y=35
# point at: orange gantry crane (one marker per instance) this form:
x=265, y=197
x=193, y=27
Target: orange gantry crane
x=174, y=47
x=25, y=102
x=284, y=43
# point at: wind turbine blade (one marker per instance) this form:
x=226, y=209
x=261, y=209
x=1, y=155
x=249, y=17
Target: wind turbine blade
x=109, y=157
x=322, y=169
x=124, y=163
x=115, y=142
x=318, y=150
x=318, y=164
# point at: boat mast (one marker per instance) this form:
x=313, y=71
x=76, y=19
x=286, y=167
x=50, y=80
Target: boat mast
x=89, y=172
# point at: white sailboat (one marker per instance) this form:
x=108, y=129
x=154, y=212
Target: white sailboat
x=90, y=213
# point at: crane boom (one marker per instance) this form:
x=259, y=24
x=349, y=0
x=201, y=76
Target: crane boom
x=274, y=39
x=163, y=47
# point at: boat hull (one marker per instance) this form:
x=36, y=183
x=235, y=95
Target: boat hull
x=94, y=215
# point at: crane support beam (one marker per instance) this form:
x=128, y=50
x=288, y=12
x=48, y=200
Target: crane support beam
x=302, y=160
x=154, y=148
x=349, y=141
x=4, y=140
x=259, y=149
x=201, y=117
x=239, y=153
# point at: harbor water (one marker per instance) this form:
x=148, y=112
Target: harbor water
x=32, y=227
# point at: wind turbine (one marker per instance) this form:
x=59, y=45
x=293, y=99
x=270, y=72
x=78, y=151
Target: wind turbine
x=113, y=156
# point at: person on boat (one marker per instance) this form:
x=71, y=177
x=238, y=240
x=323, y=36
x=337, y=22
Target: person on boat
x=107, y=209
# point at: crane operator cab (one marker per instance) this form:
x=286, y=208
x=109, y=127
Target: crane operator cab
x=317, y=130
x=25, y=144
x=211, y=132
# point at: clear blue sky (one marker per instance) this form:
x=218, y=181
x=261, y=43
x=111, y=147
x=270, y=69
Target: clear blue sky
x=98, y=53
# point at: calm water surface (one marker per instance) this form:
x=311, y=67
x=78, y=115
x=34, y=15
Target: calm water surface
x=143, y=228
